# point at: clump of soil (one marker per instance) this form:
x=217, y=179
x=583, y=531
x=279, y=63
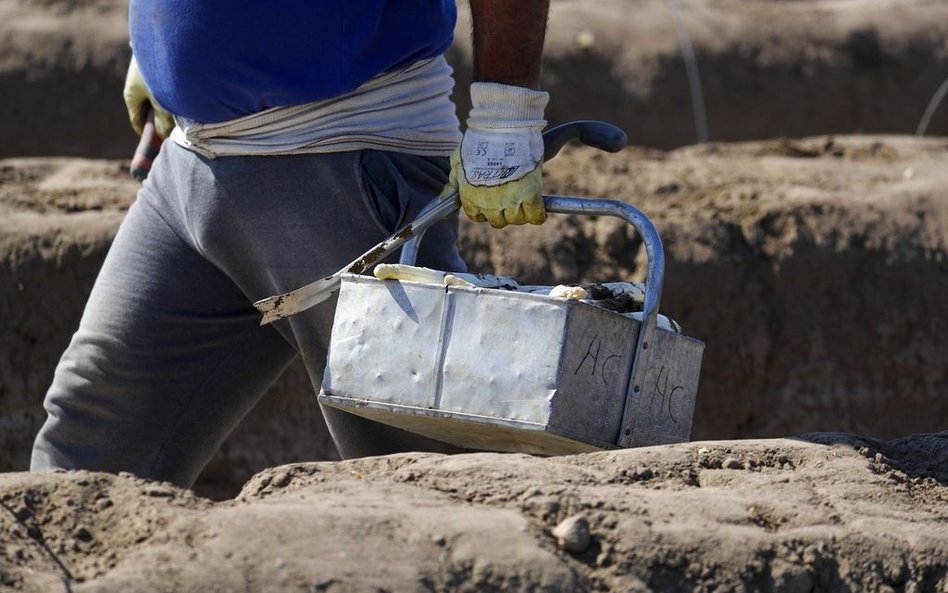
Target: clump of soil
x=825, y=512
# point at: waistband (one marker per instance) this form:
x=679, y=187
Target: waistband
x=408, y=110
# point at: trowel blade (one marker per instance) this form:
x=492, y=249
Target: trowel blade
x=283, y=305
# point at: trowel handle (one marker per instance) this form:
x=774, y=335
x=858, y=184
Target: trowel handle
x=147, y=150
x=597, y=134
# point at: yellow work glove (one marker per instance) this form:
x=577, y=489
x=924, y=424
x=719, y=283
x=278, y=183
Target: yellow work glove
x=497, y=167
x=138, y=101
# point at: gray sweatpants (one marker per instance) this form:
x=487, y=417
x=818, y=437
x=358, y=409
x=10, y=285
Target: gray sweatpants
x=169, y=355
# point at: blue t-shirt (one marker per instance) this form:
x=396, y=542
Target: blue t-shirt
x=215, y=60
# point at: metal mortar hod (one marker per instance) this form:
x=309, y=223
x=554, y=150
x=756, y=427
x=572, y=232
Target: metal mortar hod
x=495, y=370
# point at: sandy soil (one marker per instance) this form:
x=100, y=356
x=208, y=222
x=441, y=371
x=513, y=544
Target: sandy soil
x=837, y=513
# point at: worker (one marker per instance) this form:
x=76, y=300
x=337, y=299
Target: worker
x=300, y=134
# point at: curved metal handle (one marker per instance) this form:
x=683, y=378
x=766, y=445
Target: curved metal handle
x=655, y=274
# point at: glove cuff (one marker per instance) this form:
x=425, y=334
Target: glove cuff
x=495, y=105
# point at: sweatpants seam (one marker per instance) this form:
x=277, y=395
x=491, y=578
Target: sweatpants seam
x=190, y=400
x=173, y=230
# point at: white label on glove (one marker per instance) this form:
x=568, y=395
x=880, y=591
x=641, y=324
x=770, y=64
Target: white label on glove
x=495, y=158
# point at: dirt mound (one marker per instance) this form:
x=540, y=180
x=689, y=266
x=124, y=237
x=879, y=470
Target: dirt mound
x=814, y=269
x=777, y=515
x=767, y=69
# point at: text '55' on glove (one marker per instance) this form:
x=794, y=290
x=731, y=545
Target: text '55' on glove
x=497, y=167
x=138, y=101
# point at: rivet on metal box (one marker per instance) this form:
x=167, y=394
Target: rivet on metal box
x=545, y=375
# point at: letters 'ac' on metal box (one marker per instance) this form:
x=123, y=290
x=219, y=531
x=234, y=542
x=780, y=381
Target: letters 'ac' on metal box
x=506, y=371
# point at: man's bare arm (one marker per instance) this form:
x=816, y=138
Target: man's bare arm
x=508, y=40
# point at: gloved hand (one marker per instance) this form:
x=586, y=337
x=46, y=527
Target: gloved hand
x=138, y=100
x=497, y=167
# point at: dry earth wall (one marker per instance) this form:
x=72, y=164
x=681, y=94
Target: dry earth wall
x=814, y=269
